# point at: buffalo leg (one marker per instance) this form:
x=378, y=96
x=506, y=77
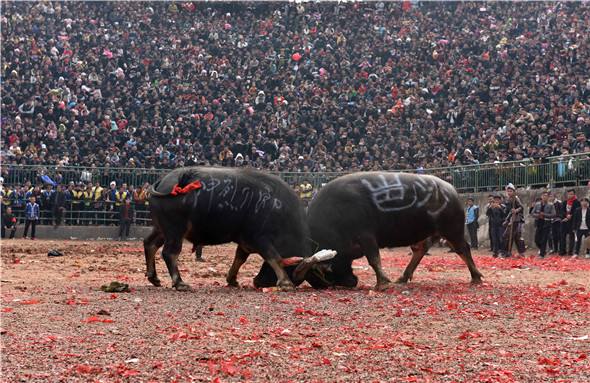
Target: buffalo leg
x=418, y=251
x=198, y=253
x=151, y=244
x=272, y=256
x=170, y=254
x=371, y=251
x=266, y=277
x=463, y=249
x=239, y=259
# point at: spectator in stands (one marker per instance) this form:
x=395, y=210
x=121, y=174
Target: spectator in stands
x=292, y=87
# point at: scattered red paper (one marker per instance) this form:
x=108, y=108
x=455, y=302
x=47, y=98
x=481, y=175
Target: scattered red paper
x=30, y=302
x=94, y=319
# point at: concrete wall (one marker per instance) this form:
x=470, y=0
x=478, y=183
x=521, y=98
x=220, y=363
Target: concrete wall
x=139, y=232
x=83, y=232
x=526, y=197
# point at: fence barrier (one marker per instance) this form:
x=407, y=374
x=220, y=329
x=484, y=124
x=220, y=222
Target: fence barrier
x=571, y=170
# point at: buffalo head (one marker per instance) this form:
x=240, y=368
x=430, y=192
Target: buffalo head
x=316, y=270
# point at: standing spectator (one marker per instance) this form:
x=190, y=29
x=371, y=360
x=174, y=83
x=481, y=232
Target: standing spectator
x=488, y=206
x=98, y=202
x=513, y=222
x=555, y=239
x=120, y=197
x=126, y=217
x=47, y=205
x=88, y=199
x=543, y=212
x=471, y=219
x=32, y=215
x=140, y=200
x=18, y=206
x=77, y=204
x=495, y=214
x=8, y=223
x=581, y=224
x=69, y=197
x=567, y=230
x=59, y=205
x=7, y=195
x=111, y=197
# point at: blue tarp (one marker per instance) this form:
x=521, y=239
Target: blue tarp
x=47, y=180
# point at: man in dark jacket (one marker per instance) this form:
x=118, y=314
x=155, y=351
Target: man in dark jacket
x=513, y=222
x=581, y=224
x=567, y=229
x=59, y=205
x=126, y=215
x=555, y=238
x=495, y=215
x=543, y=212
x=46, y=205
x=487, y=209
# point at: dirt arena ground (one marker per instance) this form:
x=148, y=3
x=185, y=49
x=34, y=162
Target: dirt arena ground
x=529, y=321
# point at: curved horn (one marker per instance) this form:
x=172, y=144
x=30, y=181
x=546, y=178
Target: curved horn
x=307, y=263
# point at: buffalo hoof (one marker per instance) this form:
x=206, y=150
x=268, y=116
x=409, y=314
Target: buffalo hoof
x=181, y=286
x=401, y=280
x=199, y=260
x=384, y=286
x=286, y=286
x=155, y=281
x=233, y=283
x=476, y=281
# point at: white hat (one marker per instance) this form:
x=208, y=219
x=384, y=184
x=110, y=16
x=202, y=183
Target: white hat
x=113, y=183
x=510, y=186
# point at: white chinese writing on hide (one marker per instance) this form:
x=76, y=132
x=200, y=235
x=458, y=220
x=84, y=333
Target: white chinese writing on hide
x=391, y=194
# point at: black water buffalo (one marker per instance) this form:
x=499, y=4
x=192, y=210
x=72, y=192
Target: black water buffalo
x=360, y=213
x=209, y=206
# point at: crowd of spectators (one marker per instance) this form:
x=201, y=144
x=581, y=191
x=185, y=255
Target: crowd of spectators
x=293, y=86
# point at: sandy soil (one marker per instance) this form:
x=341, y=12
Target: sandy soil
x=529, y=321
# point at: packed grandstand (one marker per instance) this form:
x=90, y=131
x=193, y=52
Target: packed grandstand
x=293, y=86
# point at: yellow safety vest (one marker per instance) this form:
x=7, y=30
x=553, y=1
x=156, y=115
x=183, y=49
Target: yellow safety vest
x=77, y=196
x=97, y=193
x=120, y=198
x=87, y=198
x=6, y=197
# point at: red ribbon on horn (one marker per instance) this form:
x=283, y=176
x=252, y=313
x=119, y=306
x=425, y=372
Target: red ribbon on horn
x=192, y=186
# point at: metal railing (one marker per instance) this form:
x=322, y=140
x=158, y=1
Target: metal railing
x=75, y=215
x=570, y=170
